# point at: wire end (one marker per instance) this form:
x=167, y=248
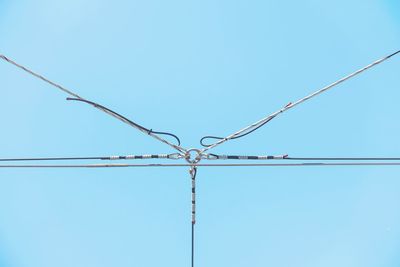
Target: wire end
x=395, y=53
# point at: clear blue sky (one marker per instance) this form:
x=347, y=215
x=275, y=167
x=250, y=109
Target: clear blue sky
x=198, y=68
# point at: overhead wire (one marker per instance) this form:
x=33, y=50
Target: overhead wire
x=311, y=164
x=125, y=157
x=102, y=108
x=193, y=173
x=235, y=137
x=212, y=157
x=341, y=158
x=286, y=157
x=251, y=128
x=123, y=118
x=342, y=161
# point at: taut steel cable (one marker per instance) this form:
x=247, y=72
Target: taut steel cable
x=125, y=157
x=99, y=107
x=311, y=164
x=193, y=156
x=258, y=124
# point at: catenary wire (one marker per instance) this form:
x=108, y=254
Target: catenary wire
x=339, y=158
x=192, y=244
x=251, y=128
x=124, y=157
x=235, y=137
x=286, y=157
x=107, y=111
x=311, y=164
x=176, y=156
x=123, y=118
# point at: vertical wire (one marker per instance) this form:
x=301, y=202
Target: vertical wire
x=193, y=172
x=192, y=244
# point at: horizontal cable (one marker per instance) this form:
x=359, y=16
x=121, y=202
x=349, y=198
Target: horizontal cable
x=246, y=157
x=176, y=156
x=339, y=158
x=127, y=157
x=286, y=157
x=313, y=164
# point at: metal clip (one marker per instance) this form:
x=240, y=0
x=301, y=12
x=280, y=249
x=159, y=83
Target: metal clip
x=175, y=156
x=210, y=156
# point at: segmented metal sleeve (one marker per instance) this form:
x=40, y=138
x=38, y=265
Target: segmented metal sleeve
x=127, y=157
x=242, y=157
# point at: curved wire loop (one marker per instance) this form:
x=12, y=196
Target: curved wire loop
x=251, y=128
x=102, y=108
x=235, y=137
x=123, y=118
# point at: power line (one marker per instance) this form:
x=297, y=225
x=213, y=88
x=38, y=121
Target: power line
x=124, y=119
x=338, y=158
x=193, y=160
x=212, y=157
x=251, y=128
x=311, y=164
x=193, y=173
x=99, y=107
x=126, y=157
x=286, y=157
x=40, y=76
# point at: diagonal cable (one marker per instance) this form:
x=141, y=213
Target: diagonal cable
x=260, y=123
x=107, y=111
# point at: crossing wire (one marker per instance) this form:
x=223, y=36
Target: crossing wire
x=193, y=165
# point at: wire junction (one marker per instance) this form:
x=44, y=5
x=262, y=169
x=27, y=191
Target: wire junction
x=194, y=156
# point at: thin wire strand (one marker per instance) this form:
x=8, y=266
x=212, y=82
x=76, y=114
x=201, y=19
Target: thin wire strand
x=193, y=173
x=192, y=245
x=311, y=164
x=55, y=159
x=286, y=157
x=176, y=156
x=177, y=147
x=263, y=121
x=40, y=77
x=124, y=157
x=339, y=158
x=124, y=119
